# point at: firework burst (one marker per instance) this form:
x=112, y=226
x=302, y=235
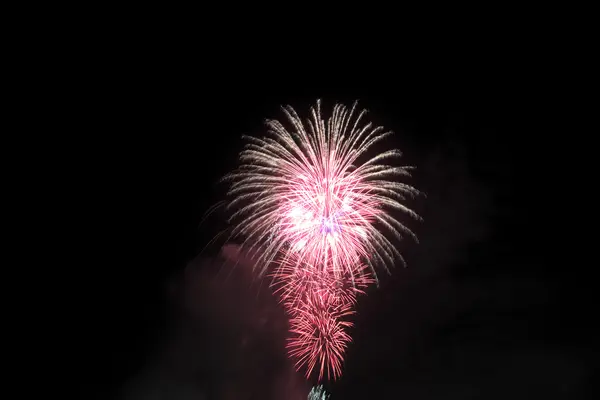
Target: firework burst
x=310, y=205
x=303, y=191
x=319, y=338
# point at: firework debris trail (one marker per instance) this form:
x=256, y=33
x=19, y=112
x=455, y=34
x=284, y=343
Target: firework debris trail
x=316, y=211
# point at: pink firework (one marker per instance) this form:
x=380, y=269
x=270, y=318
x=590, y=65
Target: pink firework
x=309, y=192
x=319, y=339
x=318, y=302
x=310, y=205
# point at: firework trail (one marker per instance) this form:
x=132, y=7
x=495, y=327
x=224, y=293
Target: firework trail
x=309, y=206
x=292, y=283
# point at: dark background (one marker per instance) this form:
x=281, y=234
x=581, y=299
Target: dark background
x=487, y=307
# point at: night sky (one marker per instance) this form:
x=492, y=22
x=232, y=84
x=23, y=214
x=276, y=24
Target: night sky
x=486, y=309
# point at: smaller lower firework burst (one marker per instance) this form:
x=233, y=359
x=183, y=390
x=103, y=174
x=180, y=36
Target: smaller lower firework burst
x=319, y=338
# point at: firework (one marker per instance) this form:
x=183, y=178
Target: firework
x=318, y=393
x=319, y=337
x=310, y=205
x=307, y=191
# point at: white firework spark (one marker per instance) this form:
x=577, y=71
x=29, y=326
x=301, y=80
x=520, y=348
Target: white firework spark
x=318, y=393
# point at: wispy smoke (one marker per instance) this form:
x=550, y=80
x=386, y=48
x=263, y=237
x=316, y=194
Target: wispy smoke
x=228, y=341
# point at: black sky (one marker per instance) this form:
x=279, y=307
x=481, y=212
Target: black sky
x=484, y=310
